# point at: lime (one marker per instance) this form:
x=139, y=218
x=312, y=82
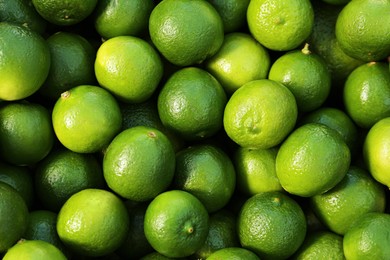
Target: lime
x=321, y=245
x=63, y=173
x=72, y=61
x=34, y=250
x=376, y=151
x=113, y=18
x=25, y=61
x=186, y=32
x=239, y=60
x=14, y=216
x=26, y=132
x=255, y=169
x=272, y=225
x=64, y=13
x=176, y=223
x=312, y=160
x=233, y=253
x=129, y=67
x=232, y=12
x=139, y=163
x=93, y=222
x=306, y=75
x=260, y=114
x=368, y=238
x=191, y=103
x=367, y=94
x=280, y=25
x=21, y=179
x=356, y=194
x=363, y=29
x=86, y=118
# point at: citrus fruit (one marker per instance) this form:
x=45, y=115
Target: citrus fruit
x=222, y=234
x=207, y=172
x=86, y=118
x=338, y=120
x=321, y=245
x=63, y=173
x=376, y=149
x=21, y=179
x=260, y=114
x=356, y=194
x=368, y=238
x=176, y=223
x=312, y=160
x=306, y=75
x=42, y=226
x=135, y=245
x=367, y=93
x=13, y=218
x=139, y=163
x=186, y=32
x=323, y=41
x=113, y=18
x=129, y=67
x=191, y=103
x=93, y=222
x=157, y=256
x=363, y=29
x=146, y=114
x=72, y=62
x=34, y=250
x=272, y=225
x=233, y=253
x=64, y=13
x=239, y=60
x=232, y=12
x=21, y=12
x=280, y=25
x=255, y=170
x=25, y=61
x=26, y=133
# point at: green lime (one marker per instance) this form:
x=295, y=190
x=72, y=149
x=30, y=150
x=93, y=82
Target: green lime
x=280, y=25
x=26, y=132
x=367, y=94
x=34, y=250
x=356, y=194
x=233, y=253
x=191, y=103
x=321, y=245
x=93, y=222
x=306, y=75
x=260, y=114
x=25, y=61
x=363, y=29
x=86, y=118
x=272, y=225
x=72, y=63
x=176, y=223
x=255, y=170
x=139, y=163
x=113, y=18
x=368, y=238
x=207, y=172
x=14, y=216
x=239, y=60
x=186, y=32
x=63, y=173
x=64, y=13
x=21, y=179
x=129, y=67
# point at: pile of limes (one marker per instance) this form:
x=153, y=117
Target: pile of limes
x=194, y=129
